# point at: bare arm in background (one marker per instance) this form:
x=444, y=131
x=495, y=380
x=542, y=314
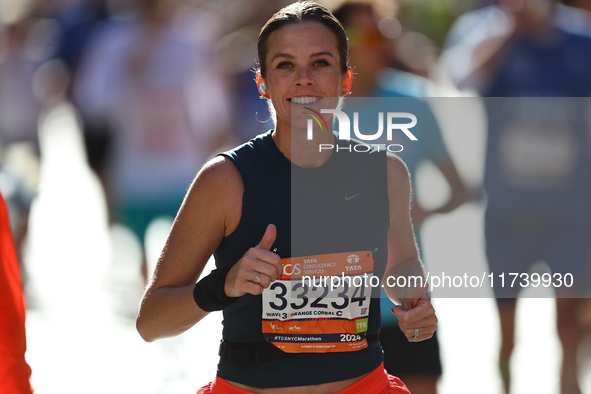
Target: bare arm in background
x=459, y=194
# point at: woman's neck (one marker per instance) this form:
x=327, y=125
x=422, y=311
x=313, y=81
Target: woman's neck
x=301, y=151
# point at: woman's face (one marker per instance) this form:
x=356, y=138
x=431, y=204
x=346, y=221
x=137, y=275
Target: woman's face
x=302, y=70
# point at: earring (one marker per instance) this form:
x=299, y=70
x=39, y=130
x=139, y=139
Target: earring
x=262, y=89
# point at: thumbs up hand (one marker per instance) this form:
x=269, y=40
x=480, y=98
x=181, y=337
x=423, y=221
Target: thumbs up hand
x=257, y=269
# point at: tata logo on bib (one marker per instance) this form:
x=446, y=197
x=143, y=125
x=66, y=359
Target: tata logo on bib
x=395, y=121
x=352, y=259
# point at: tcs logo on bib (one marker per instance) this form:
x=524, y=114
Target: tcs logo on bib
x=292, y=269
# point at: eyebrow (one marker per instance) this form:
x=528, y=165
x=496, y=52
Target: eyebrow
x=317, y=54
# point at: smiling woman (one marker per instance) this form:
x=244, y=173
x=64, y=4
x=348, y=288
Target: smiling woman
x=281, y=335
x=303, y=64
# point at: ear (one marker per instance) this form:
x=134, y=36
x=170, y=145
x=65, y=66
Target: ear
x=347, y=82
x=261, y=86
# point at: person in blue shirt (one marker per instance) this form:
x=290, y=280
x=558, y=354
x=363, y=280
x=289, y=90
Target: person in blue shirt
x=533, y=71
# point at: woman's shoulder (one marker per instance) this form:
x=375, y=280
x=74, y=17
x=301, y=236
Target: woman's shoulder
x=261, y=141
x=216, y=191
x=255, y=158
x=218, y=170
x=225, y=165
x=217, y=181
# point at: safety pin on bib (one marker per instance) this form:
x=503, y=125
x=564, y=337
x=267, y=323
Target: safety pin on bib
x=372, y=252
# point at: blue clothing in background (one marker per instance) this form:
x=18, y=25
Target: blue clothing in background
x=538, y=161
x=537, y=150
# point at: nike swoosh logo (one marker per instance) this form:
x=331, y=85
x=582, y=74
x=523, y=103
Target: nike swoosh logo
x=347, y=198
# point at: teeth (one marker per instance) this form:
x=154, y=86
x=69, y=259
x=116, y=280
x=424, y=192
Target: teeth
x=304, y=100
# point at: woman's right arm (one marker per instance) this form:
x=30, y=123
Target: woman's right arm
x=210, y=211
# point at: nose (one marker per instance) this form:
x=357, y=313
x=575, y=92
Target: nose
x=303, y=77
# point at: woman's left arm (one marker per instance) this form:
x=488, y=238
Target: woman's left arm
x=403, y=260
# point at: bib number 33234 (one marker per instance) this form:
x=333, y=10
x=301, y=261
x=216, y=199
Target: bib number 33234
x=320, y=303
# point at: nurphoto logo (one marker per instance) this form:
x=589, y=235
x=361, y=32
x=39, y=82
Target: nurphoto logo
x=392, y=124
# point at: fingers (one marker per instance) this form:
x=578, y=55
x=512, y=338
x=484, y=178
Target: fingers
x=268, y=238
x=413, y=295
x=406, y=323
x=422, y=317
x=421, y=310
x=252, y=282
x=257, y=269
x=419, y=334
x=263, y=261
x=262, y=251
x=265, y=272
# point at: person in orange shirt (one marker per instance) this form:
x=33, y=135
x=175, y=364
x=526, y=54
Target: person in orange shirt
x=14, y=370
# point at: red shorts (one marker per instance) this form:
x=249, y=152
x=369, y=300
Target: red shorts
x=377, y=382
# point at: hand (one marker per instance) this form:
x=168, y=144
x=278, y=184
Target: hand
x=419, y=315
x=257, y=269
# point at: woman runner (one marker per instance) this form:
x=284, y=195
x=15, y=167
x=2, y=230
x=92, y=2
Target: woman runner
x=277, y=207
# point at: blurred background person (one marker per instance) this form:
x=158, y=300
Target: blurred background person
x=26, y=41
x=472, y=28
x=538, y=160
x=235, y=55
x=78, y=20
x=371, y=56
x=148, y=81
x=582, y=4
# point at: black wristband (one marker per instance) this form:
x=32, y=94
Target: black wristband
x=209, y=292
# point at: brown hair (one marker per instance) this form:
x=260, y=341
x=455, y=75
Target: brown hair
x=303, y=11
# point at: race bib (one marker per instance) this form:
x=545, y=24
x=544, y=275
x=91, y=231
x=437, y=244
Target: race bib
x=320, y=303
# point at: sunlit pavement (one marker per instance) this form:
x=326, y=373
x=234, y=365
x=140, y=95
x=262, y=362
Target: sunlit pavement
x=84, y=291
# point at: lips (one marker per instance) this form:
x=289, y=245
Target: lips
x=304, y=100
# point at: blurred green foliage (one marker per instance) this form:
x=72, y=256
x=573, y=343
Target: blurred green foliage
x=433, y=18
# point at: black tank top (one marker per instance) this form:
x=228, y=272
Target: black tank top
x=341, y=206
